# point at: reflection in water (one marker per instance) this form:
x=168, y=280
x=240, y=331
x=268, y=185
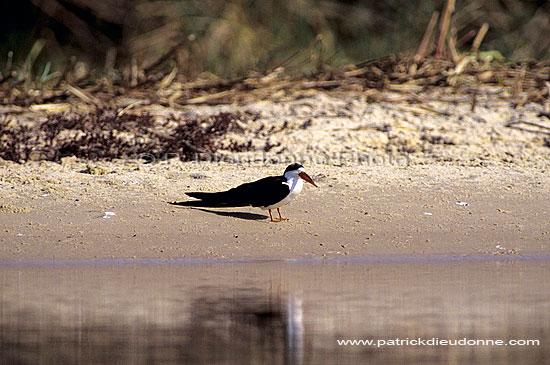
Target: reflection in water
x=242, y=329
x=272, y=312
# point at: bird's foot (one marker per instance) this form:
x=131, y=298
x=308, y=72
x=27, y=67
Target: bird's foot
x=277, y=220
x=281, y=219
x=280, y=216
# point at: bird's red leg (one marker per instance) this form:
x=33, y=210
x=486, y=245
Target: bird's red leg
x=280, y=216
x=273, y=220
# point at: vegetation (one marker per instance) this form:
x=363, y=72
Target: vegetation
x=92, y=68
x=231, y=38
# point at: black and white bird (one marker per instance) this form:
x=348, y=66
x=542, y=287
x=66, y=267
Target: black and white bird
x=268, y=193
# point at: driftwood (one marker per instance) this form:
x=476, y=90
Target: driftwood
x=541, y=129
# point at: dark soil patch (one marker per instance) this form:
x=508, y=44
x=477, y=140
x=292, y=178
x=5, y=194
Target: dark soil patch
x=106, y=134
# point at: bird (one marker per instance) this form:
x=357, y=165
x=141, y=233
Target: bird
x=268, y=193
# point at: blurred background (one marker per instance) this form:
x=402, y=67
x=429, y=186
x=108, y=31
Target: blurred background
x=232, y=38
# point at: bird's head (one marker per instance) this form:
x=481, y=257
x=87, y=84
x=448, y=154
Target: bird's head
x=296, y=169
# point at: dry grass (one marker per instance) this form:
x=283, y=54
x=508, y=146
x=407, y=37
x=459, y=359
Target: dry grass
x=437, y=64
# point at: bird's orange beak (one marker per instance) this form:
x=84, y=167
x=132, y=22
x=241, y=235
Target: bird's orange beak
x=306, y=177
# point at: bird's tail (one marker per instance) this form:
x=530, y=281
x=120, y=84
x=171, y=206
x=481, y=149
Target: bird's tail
x=206, y=196
x=211, y=200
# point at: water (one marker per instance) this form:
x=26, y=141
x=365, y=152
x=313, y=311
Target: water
x=273, y=312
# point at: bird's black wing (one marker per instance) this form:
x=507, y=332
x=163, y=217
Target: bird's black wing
x=260, y=193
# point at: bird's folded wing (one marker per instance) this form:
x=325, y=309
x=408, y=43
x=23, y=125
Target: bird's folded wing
x=263, y=192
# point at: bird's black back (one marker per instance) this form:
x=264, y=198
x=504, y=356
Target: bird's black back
x=260, y=193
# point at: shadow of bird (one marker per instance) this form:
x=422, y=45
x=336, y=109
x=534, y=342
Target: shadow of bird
x=240, y=215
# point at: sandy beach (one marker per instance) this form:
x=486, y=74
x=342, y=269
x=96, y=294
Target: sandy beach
x=393, y=180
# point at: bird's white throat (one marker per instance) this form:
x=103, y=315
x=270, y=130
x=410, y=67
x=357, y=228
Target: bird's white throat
x=295, y=183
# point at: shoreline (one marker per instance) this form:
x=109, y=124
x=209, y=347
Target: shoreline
x=55, y=212
x=394, y=259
